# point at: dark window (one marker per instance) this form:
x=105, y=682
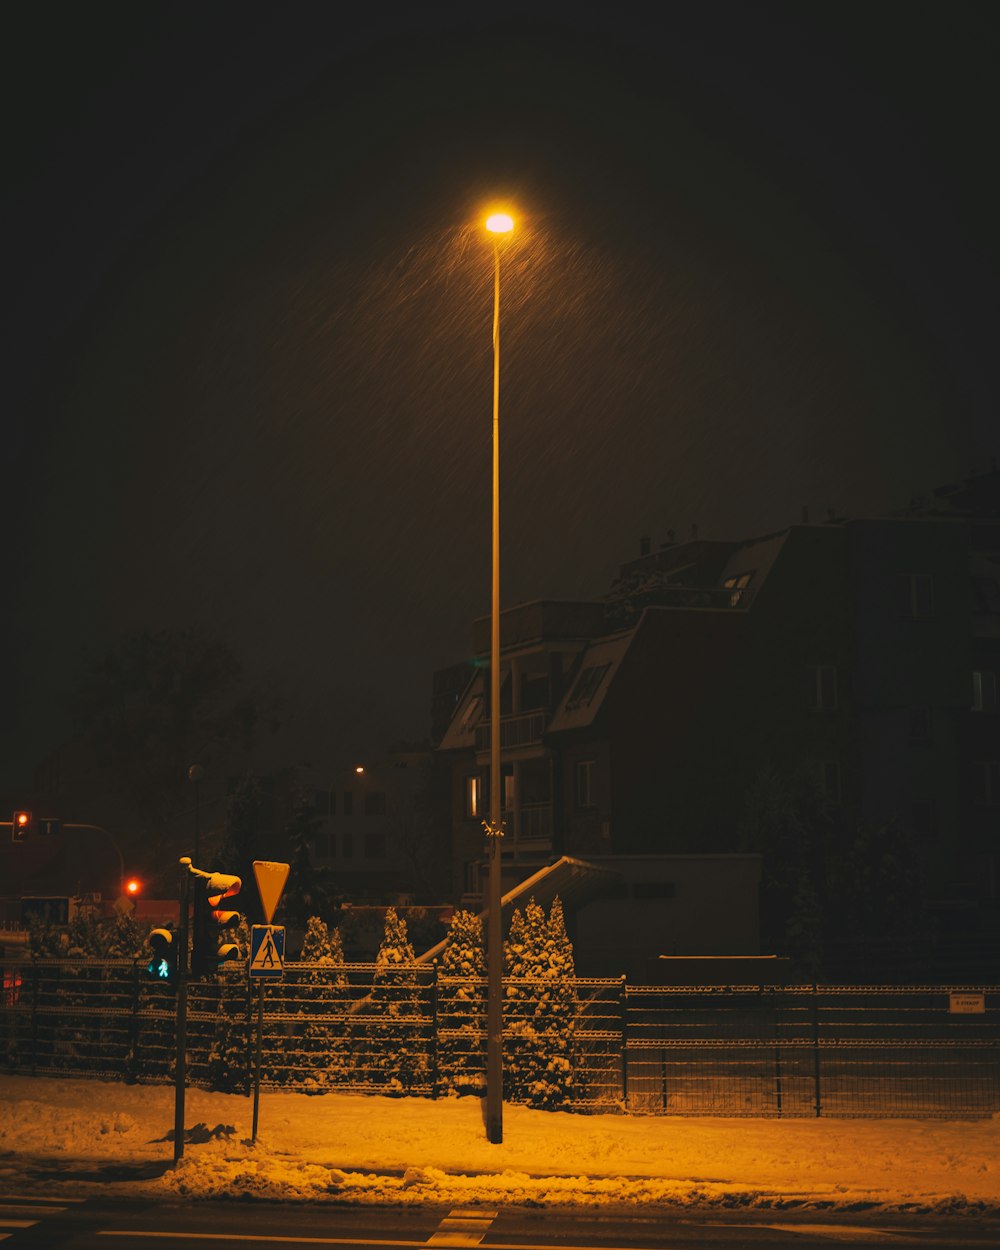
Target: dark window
x=920, y=724
x=986, y=595
x=585, y=794
x=916, y=595
x=587, y=685
x=654, y=889
x=347, y=846
x=988, y=783
x=984, y=691
x=821, y=687
x=534, y=692
x=321, y=802
x=922, y=818
x=375, y=803
x=829, y=776
x=348, y=802
x=374, y=846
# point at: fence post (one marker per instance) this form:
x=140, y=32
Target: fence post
x=815, y=1015
x=132, y=1057
x=624, y=1015
x=34, y=1016
x=435, y=1075
x=777, y=1052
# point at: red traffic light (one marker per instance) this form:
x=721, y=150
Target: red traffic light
x=20, y=826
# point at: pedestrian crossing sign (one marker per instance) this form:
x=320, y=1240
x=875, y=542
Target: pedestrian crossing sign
x=267, y=950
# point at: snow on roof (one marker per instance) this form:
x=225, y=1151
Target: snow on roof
x=574, y=880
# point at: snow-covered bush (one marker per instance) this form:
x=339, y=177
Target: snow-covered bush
x=461, y=1008
x=311, y=1052
x=540, y=1009
x=398, y=1033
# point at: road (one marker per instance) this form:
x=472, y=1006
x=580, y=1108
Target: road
x=34, y=1222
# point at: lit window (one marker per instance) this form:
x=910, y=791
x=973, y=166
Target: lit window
x=821, y=687
x=508, y=792
x=473, y=795
x=737, y=585
x=585, y=793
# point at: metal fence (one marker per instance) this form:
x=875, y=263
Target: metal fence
x=812, y=1050
x=706, y=1050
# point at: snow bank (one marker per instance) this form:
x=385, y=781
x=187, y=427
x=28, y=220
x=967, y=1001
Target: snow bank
x=409, y=1150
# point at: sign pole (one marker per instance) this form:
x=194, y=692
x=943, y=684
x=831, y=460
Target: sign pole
x=256, y=1075
x=180, y=1065
x=267, y=955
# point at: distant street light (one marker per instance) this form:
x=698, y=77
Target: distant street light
x=499, y=224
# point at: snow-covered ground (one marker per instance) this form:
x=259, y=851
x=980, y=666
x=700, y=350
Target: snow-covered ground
x=411, y=1150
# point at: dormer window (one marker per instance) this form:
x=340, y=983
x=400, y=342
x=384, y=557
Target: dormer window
x=737, y=584
x=587, y=685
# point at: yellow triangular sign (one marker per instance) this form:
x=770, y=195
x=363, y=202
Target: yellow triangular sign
x=271, y=880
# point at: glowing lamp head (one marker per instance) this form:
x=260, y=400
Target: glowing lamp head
x=132, y=887
x=499, y=223
x=360, y=769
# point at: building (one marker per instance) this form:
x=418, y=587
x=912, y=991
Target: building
x=375, y=835
x=855, y=659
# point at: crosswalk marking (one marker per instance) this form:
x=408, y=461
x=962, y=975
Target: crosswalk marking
x=464, y=1226
x=34, y=1199
x=20, y=1208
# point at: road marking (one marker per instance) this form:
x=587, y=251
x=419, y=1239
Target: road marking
x=17, y=1223
x=34, y=1199
x=335, y=1241
x=19, y=1208
x=839, y=1232
x=464, y=1226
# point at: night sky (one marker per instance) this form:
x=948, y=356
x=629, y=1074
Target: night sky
x=248, y=374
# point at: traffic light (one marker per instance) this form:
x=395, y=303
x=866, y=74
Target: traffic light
x=20, y=826
x=162, y=966
x=210, y=922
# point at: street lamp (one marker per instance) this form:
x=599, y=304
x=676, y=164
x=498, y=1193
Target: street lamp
x=499, y=225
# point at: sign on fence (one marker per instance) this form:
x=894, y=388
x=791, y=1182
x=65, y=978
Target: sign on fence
x=964, y=1004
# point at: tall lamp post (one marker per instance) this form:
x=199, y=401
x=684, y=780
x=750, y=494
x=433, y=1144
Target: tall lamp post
x=499, y=224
